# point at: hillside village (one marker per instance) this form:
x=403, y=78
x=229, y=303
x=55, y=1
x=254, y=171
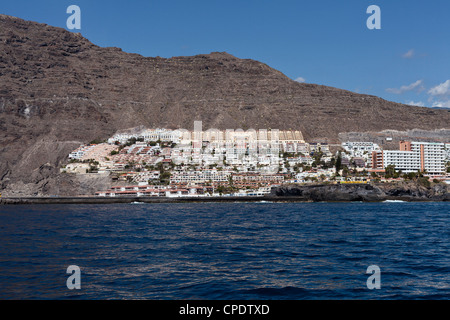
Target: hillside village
x=174, y=163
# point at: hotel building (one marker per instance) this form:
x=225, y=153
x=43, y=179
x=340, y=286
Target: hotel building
x=412, y=157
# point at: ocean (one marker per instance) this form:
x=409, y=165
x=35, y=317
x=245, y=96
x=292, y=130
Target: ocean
x=281, y=251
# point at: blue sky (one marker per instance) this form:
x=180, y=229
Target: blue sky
x=324, y=42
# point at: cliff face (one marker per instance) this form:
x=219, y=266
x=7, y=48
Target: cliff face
x=59, y=90
x=332, y=192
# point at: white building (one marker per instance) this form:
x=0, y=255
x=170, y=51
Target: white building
x=360, y=148
x=80, y=152
x=149, y=135
x=406, y=161
x=200, y=176
x=417, y=156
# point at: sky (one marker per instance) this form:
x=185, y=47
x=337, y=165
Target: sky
x=324, y=42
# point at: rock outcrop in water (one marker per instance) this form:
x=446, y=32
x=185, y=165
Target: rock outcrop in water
x=407, y=191
x=416, y=191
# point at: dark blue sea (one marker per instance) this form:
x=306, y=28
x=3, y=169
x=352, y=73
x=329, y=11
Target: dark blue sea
x=226, y=250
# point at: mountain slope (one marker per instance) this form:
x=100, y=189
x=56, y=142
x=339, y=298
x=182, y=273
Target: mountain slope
x=59, y=90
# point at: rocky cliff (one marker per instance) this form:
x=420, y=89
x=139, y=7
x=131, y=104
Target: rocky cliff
x=58, y=90
x=406, y=191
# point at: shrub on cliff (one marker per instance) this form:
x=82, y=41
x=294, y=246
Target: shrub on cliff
x=423, y=181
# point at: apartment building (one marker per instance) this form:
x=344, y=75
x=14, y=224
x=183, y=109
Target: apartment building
x=242, y=180
x=149, y=135
x=203, y=176
x=360, y=148
x=376, y=161
x=413, y=156
x=80, y=152
x=320, y=147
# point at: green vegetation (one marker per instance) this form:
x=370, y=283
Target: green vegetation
x=345, y=171
x=423, y=181
x=164, y=178
x=97, y=141
x=132, y=141
x=338, y=164
x=412, y=175
x=390, y=172
x=317, y=156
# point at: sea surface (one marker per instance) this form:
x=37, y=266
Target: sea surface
x=226, y=250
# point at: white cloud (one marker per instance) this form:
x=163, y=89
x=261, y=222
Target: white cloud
x=300, y=79
x=413, y=86
x=441, y=104
x=417, y=104
x=409, y=54
x=442, y=89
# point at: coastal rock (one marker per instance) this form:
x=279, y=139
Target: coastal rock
x=416, y=191
x=407, y=191
x=331, y=192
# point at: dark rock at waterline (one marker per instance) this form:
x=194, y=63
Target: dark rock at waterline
x=407, y=191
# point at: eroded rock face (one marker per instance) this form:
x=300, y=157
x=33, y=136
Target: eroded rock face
x=414, y=190
x=331, y=192
x=58, y=90
x=408, y=191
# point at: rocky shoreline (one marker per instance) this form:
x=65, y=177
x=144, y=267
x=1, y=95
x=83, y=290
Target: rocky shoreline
x=403, y=191
x=111, y=200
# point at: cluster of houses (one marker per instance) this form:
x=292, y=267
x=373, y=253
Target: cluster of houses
x=163, y=162
x=142, y=190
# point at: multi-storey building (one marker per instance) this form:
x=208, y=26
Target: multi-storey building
x=252, y=180
x=320, y=147
x=203, y=176
x=80, y=152
x=360, y=148
x=376, y=161
x=432, y=156
x=447, y=150
x=149, y=135
x=412, y=157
